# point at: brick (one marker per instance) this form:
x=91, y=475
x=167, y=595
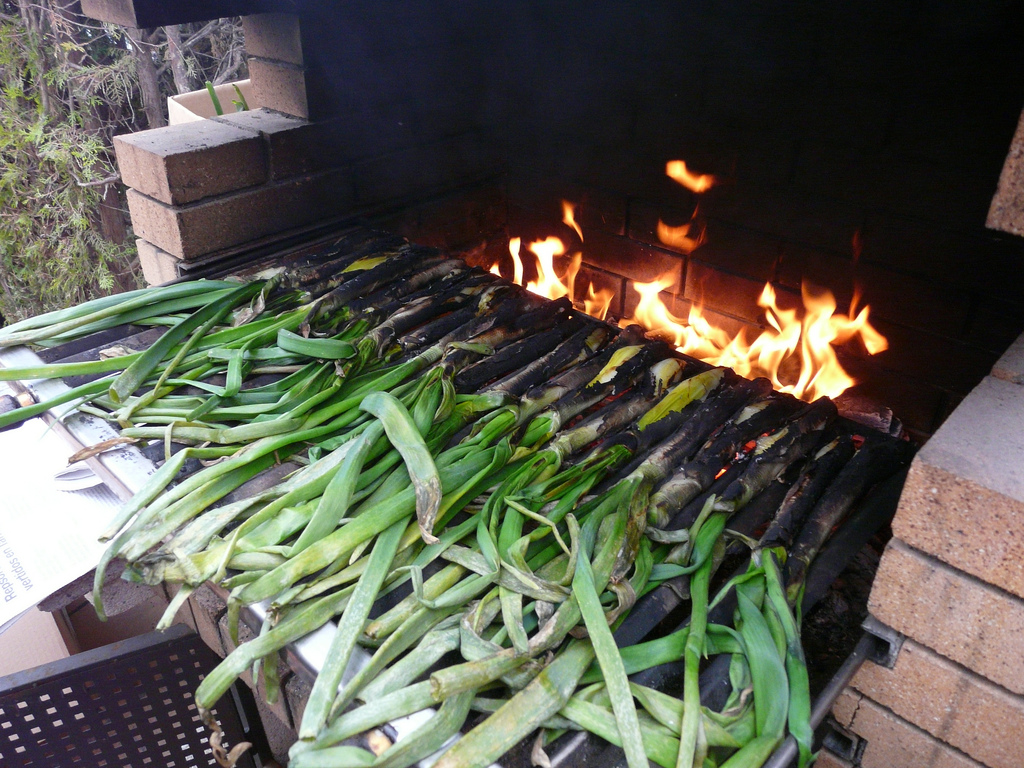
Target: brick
x=918, y=403
x=179, y=164
x=827, y=760
x=201, y=228
x=1010, y=367
x=892, y=295
x=207, y=609
x=542, y=194
x=951, y=703
x=294, y=146
x=928, y=356
x=723, y=291
x=634, y=260
x=590, y=277
x=158, y=266
x=278, y=85
x=296, y=693
x=403, y=177
x=1007, y=209
x=892, y=741
x=968, y=621
x=245, y=634
x=273, y=36
x=964, y=497
x=740, y=251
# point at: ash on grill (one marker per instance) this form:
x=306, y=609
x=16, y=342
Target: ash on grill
x=531, y=410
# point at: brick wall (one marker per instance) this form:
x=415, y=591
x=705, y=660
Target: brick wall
x=952, y=582
x=827, y=124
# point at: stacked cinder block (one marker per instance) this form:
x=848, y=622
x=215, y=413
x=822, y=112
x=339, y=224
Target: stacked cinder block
x=206, y=187
x=273, y=43
x=952, y=582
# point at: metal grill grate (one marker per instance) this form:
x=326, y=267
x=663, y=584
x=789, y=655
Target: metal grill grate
x=118, y=706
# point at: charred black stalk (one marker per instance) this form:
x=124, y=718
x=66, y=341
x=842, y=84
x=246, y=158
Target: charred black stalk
x=815, y=477
x=515, y=355
x=526, y=324
x=543, y=395
x=749, y=423
x=581, y=346
x=690, y=427
x=877, y=459
x=329, y=271
x=624, y=368
x=408, y=260
x=416, y=312
x=777, y=451
x=450, y=326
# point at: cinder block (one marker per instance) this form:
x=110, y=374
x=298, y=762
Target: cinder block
x=1007, y=209
x=827, y=760
x=207, y=226
x=950, y=702
x=295, y=146
x=280, y=706
x=296, y=692
x=966, y=620
x=273, y=36
x=208, y=608
x=158, y=266
x=1010, y=366
x=180, y=164
x=892, y=741
x=278, y=85
x=964, y=497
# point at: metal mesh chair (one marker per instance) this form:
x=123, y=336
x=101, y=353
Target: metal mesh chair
x=126, y=705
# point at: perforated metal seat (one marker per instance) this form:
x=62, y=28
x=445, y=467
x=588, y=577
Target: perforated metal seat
x=126, y=705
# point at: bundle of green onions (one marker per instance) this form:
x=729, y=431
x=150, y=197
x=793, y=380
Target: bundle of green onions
x=479, y=486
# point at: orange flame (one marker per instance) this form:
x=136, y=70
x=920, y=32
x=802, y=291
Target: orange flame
x=796, y=353
x=569, y=217
x=695, y=182
x=597, y=302
x=804, y=343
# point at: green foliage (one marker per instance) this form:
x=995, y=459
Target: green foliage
x=61, y=99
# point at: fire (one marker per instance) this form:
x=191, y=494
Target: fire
x=569, y=218
x=695, y=182
x=796, y=351
x=805, y=343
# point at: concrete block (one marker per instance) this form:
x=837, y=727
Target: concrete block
x=892, y=741
x=1010, y=367
x=296, y=692
x=966, y=620
x=207, y=226
x=827, y=760
x=278, y=85
x=1007, y=209
x=259, y=690
x=273, y=36
x=950, y=702
x=179, y=164
x=294, y=146
x=964, y=497
x=158, y=266
x=207, y=609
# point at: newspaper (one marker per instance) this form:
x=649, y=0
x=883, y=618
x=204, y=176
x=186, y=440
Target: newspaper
x=48, y=536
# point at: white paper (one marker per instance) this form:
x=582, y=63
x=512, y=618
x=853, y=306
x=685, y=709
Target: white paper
x=48, y=537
